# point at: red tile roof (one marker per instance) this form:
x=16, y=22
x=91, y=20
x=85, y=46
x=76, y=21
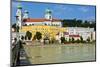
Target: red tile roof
x=40, y=20
x=66, y=33
x=74, y=36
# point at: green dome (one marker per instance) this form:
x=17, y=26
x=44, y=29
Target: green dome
x=26, y=11
x=19, y=6
x=48, y=11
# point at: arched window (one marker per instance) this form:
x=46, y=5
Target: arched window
x=45, y=24
x=29, y=24
x=33, y=24
x=25, y=24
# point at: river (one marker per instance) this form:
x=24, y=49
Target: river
x=60, y=53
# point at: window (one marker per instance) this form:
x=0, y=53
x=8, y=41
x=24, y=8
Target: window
x=32, y=24
x=25, y=24
x=29, y=24
x=45, y=24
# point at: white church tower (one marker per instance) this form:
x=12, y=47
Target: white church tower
x=19, y=16
x=48, y=14
x=25, y=16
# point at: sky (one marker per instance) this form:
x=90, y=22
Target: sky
x=59, y=11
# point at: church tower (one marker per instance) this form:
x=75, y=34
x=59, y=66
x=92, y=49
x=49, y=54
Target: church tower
x=19, y=16
x=48, y=14
x=25, y=16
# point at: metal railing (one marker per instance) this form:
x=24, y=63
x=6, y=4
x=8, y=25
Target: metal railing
x=15, y=54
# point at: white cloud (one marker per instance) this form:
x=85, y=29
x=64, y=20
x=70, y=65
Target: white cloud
x=84, y=9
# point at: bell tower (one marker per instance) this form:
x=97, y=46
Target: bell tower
x=48, y=14
x=25, y=16
x=19, y=16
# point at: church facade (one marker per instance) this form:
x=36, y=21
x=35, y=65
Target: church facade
x=47, y=26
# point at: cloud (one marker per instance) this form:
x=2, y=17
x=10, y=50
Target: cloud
x=84, y=9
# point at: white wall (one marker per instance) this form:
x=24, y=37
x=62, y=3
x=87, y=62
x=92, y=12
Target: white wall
x=35, y=23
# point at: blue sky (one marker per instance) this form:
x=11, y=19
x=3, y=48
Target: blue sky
x=60, y=11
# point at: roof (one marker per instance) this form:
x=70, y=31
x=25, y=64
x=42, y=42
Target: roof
x=19, y=6
x=66, y=33
x=40, y=20
x=74, y=36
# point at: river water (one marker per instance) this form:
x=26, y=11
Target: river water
x=60, y=53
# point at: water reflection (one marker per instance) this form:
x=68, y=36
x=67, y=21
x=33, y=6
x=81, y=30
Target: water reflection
x=60, y=53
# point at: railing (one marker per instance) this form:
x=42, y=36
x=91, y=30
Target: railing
x=15, y=54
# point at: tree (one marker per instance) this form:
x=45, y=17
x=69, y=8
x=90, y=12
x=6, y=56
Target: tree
x=88, y=39
x=81, y=38
x=70, y=40
x=77, y=41
x=78, y=23
x=38, y=35
x=73, y=40
x=28, y=35
x=62, y=39
x=15, y=27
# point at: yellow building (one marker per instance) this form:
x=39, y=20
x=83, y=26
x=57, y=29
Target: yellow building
x=49, y=31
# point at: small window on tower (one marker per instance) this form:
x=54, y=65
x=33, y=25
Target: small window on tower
x=49, y=17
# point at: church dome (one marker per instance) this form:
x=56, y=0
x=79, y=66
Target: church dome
x=48, y=11
x=26, y=11
x=19, y=7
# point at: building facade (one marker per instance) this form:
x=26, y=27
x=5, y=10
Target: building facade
x=48, y=26
x=77, y=32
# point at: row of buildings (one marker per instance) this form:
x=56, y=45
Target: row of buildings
x=50, y=27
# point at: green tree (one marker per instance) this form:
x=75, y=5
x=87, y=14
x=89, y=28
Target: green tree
x=38, y=35
x=16, y=28
x=73, y=40
x=62, y=39
x=78, y=23
x=77, y=41
x=70, y=40
x=28, y=35
x=88, y=39
x=81, y=38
